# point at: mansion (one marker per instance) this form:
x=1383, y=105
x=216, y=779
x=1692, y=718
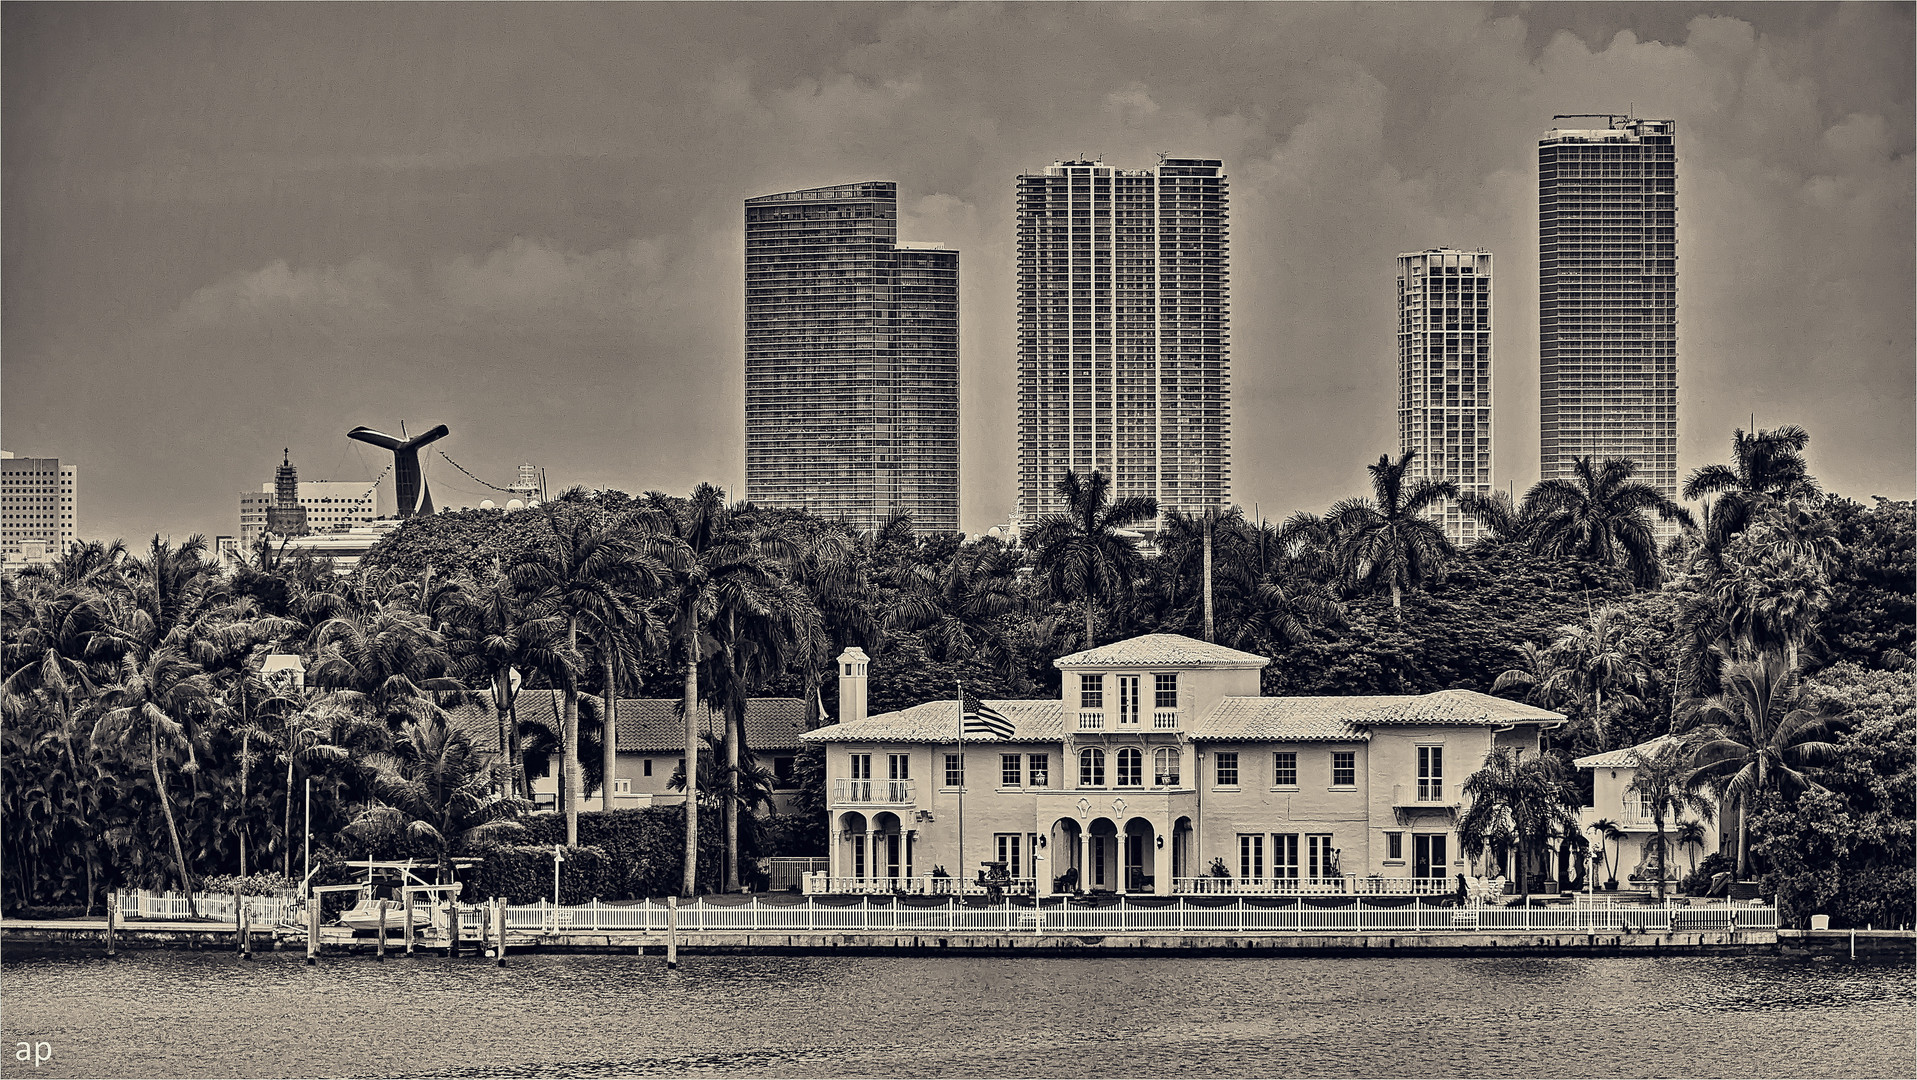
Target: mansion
x=1161, y=769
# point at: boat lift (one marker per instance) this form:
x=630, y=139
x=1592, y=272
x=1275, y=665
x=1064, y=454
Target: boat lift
x=442, y=921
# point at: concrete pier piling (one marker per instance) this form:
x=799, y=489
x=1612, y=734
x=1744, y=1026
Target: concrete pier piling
x=672, y=932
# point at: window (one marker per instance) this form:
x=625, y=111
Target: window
x=1131, y=767
x=1284, y=768
x=861, y=766
x=1226, y=764
x=1091, y=691
x=648, y=766
x=1128, y=699
x=1644, y=806
x=1251, y=855
x=1394, y=846
x=1428, y=855
x=1091, y=767
x=1039, y=770
x=1008, y=853
x=1344, y=768
x=1165, y=766
x=782, y=771
x=1165, y=694
x=1430, y=773
x=1284, y=856
x=954, y=770
x=621, y=786
x=898, y=767
x=1321, y=859
x=1008, y=770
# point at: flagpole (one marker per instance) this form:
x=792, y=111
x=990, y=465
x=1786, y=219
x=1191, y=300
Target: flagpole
x=959, y=878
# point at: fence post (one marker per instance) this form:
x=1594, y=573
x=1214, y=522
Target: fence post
x=312, y=928
x=499, y=916
x=811, y=914
x=112, y=913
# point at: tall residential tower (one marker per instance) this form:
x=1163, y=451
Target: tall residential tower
x=1607, y=295
x=851, y=359
x=1444, y=374
x=1123, y=340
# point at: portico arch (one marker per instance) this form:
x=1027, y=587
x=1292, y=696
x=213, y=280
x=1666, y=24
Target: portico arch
x=1140, y=857
x=888, y=846
x=848, y=847
x=1063, y=840
x=1100, y=857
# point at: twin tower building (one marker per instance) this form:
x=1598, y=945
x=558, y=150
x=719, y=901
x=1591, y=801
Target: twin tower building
x=852, y=337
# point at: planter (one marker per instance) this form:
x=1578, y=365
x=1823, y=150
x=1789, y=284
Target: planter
x=1610, y=886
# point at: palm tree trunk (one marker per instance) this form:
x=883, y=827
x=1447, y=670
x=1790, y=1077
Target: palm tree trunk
x=246, y=742
x=1209, y=635
x=608, y=739
x=1743, y=841
x=689, y=887
x=733, y=727
x=505, y=785
x=1397, y=609
x=1662, y=854
x=522, y=784
x=1597, y=718
x=172, y=827
x=1088, y=618
x=286, y=830
x=574, y=790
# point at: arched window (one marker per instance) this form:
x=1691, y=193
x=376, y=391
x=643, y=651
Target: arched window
x=1091, y=767
x=1131, y=767
x=1165, y=766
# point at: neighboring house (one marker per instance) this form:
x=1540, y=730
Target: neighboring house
x=652, y=743
x=1612, y=798
x=1161, y=769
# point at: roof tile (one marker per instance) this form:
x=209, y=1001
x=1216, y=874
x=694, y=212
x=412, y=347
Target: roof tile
x=937, y=722
x=1160, y=650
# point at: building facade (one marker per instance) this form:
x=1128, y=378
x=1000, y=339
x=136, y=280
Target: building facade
x=851, y=359
x=1123, y=333
x=1161, y=769
x=1607, y=297
x=1444, y=375
x=328, y=506
x=1630, y=850
x=39, y=507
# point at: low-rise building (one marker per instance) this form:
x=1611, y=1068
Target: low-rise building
x=1632, y=851
x=1161, y=768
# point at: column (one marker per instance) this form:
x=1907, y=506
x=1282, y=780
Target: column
x=835, y=839
x=1162, y=859
x=873, y=871
x=1085, y=858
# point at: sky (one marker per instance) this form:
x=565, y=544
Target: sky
x=231, y=229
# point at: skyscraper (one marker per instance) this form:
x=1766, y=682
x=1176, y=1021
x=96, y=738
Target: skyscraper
x=851, y=357
x=38, y=507
x=1444, y=374
x=1607, y=296
x=1123, y=351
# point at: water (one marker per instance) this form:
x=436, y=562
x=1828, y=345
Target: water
x=161, y=1013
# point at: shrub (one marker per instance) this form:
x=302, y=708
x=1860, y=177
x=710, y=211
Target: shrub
x=1699, y=882
x=265, y=883
x=523, y=874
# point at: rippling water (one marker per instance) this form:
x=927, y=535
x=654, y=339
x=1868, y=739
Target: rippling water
x=207, y=1014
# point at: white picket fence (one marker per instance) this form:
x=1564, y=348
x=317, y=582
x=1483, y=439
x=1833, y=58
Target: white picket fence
x=263, y=910
x=874, y=915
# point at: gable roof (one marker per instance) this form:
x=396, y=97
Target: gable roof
x=1459, y=707
x=1161, y=650
x=937, y=722
x=644, y=726
x=1626, y=758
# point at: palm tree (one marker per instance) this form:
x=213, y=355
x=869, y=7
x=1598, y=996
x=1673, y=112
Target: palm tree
x=1609, y=830
x=1756, y=735
x=958, y=609
x=1081, y=553
x=1690, y=835
x=1593, y=658
x=1503, y=521
x=1386, y=542
x=1517, y=800
x=436, y=787
x=1599, y=515
x=1547, y=682
x=707, y=564
x=1662, y=781
x=146, y=709
x=584, y=574
x=489, y=635
x=1765, y=465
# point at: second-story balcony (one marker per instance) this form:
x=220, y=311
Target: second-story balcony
x=1091, y=720
x=1429, y=793
x=873, y=792
x=1165, y=719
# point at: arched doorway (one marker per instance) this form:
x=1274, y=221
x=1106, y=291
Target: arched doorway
x=1101, y=871
x=888, y=847
x=1141, y=857
x=1066, y=873
x=850, y=859
x=1181, y=842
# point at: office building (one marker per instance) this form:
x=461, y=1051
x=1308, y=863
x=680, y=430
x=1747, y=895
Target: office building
x=1607, y=253
x=851, y=358
x=329, y=506
x=1123, y=352
x=1444, y=375
x=38, y=507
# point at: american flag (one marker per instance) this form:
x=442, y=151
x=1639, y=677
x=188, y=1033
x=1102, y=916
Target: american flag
x=979, y=718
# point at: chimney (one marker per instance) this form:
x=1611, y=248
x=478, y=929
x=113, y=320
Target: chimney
x=852, y=664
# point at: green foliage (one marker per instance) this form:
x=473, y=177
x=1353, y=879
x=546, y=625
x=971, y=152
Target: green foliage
x=522, y=873
x=265, y=883
x=1873, y=606
x=1698, y=883
x=1847, y=850
x=644, y=848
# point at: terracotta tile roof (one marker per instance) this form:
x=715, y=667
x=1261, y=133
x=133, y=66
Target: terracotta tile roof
x=1288, y=719
x=1160, y=650
x=646, y=725
x=1627, y=758
x=937, y=722
x=1457, y=707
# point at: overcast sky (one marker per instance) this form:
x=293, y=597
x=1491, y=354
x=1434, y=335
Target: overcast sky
x=232, y=229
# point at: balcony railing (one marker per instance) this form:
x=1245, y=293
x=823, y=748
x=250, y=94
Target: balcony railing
x=1423, y=793
x=1270, y=886
x=921, y=885
x=1165, y=719
x=1091, y=720
x=879, y=792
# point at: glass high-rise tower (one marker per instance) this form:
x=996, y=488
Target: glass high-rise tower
x=1444, y=375
x=1607, y=295
x=1123, y=341
x=851, y=360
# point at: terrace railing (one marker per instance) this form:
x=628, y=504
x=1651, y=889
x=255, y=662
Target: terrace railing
x=262, y=910
x=879, y=792
x=1241, y=915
